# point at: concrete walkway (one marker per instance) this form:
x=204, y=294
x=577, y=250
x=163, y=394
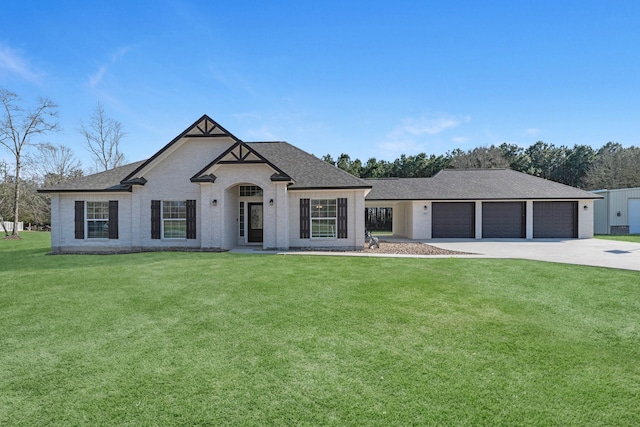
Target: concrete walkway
x=593, y=252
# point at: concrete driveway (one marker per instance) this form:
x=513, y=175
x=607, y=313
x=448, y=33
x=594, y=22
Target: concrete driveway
x=594, y=252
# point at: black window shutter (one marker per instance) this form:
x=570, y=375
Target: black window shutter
x=305, y=218
x=342, y=218
x=113, y=219
x=155, y=219
x=191, y=219
x=79, y=219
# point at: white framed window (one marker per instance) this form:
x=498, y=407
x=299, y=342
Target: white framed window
x=250, y=191
x=324, y=217
x=241, y=219
x=174, y=219
x=97, y=219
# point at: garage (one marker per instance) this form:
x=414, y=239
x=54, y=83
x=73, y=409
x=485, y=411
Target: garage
x=555, y=219
x=453, y=220
x=503, y=220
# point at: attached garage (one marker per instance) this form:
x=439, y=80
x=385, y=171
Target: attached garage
x=555, y=220
x=453, y=220
x=503, y=220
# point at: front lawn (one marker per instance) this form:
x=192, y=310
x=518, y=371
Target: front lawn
x=622, y=237
x=235, y=339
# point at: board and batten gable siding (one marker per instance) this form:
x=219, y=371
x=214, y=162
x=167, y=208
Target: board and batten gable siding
x=352, y=205
x=65, y=235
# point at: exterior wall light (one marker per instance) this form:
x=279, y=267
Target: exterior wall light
x=585, y=207
x=270, y=202
x=426, y=207
x=214, y=202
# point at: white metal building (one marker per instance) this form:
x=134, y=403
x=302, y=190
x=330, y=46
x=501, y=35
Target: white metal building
x=618, y=212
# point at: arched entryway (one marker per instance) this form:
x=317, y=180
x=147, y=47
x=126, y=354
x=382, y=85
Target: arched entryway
x=249, y=213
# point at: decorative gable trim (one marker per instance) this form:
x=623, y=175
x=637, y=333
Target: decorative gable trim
x=207, y=128
x=205, y=178
x=240, y=153
x=134, y=181
x=203, y=127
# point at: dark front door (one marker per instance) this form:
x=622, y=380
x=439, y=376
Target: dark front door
x=255, y=222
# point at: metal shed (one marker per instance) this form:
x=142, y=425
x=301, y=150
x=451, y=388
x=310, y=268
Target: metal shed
x=618, y=212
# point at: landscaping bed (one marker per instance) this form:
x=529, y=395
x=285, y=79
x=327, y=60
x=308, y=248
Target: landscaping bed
x=410, y=248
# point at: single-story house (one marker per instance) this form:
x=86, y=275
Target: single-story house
x=618, y=211
x=208, y=190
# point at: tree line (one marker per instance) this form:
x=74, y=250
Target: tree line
x=611, y=166
x=35, y=163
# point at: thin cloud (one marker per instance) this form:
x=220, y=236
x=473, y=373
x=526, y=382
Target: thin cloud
x=12, y=62
x=262, y=133
x=426, y=125
x=96, y=79
x=412, y=133
x=532, y=132
x=460, y=139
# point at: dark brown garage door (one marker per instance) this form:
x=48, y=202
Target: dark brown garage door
x=555, y=219
x=453, y=220
x=503, y=220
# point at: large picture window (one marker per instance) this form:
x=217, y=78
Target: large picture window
x=174, y=219
x=98, y=220
x=323, y=218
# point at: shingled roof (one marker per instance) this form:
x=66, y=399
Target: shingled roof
x=307, y=171
x=107, y=181
x=473, y=184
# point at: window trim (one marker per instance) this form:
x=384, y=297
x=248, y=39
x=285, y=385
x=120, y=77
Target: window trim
x=104, y=208
x=163, y=219
x=315, y=205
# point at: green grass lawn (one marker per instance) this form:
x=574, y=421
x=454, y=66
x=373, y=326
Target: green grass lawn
x=622, y=237
x=157, y=339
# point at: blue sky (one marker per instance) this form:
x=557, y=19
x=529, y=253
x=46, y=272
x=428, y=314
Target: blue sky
x=367, y=78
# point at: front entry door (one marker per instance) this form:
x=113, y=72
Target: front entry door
x=255, y=222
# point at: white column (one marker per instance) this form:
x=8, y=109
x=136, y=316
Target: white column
x=529, y=233
x=478, y=219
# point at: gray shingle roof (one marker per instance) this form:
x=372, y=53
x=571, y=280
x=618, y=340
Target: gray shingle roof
x=306, y=170
x=101, y=181
x=473, y=184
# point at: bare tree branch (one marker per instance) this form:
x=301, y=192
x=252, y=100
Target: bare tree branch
x=103, y=136
x=17, y=128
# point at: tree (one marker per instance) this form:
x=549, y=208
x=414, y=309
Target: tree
x=327, y=158
x=480, y=158
x=516, y=156
x=56, y=164
x=17, y=129
x=614, y=167
x=103, y=135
